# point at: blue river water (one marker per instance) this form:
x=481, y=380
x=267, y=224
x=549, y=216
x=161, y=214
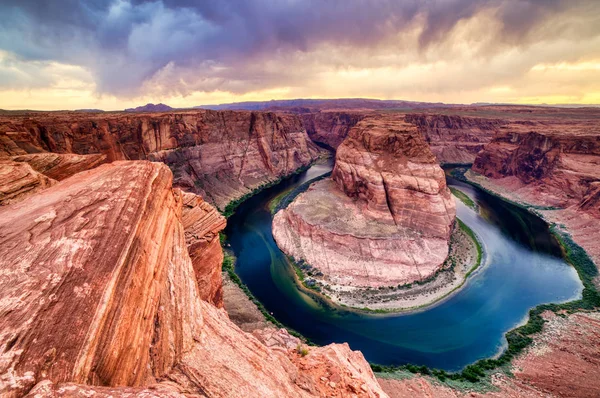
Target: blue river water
x=523, y=268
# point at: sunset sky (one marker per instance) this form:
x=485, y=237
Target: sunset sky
x=113, y=54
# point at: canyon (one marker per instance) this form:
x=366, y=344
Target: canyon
x=551, y=166
x=111, y=265
x=221, y=156
x=100, y=296
x=383, y=219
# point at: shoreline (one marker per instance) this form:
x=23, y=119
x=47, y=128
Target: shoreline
x=517, y=339
x=426, y=295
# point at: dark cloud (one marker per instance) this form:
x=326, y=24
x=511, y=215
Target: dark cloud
x=123, y=43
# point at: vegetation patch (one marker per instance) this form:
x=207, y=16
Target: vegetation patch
x=463, y=197
x=290, y=196
x=229, y=210
x=273, y=203
x=521, y=337
x=229, y=267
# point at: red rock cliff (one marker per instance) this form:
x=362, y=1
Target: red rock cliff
x=388, y=165
x=219, y=154
x=561, y=160
x=99, y=295
x=384, y=219
x=455, y=139
x=553, y=165
x=330, y=128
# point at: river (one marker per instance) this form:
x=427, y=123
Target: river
x=523, y=268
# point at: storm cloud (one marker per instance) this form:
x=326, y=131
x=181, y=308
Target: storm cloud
x=180, y=46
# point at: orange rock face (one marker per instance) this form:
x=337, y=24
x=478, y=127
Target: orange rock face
x=455, y=139
x=202, y=224
x=60, y=166
x=387, y=164
x=553, y=165
x=19, y=180
x=330, y=128
x=384, y=219
x=220, y=155
x=99, y=295
x=561, y=159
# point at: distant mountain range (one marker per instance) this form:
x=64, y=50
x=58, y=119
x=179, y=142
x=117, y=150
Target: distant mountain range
x=150, y=108
x=311, y=105
x=322, y=104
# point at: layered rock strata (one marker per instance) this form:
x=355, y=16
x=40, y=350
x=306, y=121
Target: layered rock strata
x=220, y=155
x=60, y=166
x=202, y=224
x=553, y=166
x=330, y=128
x=99, y=296
x=20, y=180
x=24, y=175
x=455, y=139
x=385, y=217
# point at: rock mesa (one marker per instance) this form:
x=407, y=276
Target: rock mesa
x=383, y=219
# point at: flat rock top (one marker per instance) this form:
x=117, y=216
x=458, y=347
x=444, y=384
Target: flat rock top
x=329, y=208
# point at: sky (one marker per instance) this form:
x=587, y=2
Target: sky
x=114, y=54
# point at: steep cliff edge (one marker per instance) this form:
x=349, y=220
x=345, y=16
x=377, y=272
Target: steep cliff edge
x=553, y=166
x=221, y=155
x=385, y=217
x=99, y=295
x=330, y=128
x=202, y=223
x=455, y=139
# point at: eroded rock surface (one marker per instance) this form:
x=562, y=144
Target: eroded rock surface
x=99, y=296
x=221, y=155
x=455, y=139
x=385, y=217
x=330, y=128
x=202, y=224
x=552, y=165
x=60, y=166
x=19, y=180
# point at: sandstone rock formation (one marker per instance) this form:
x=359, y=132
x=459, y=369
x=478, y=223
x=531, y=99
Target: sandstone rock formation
x=330, y=128
x=455, y=139
x=202, y=224
x=385, y=217
x=561, y=160
x=20, y=180
x=220, y=155
x=60, y=166
x=99, y=296
x=553, y=165
x=24, y=175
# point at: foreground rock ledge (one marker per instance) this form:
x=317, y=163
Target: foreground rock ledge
x=384, y=219
x=98, y=295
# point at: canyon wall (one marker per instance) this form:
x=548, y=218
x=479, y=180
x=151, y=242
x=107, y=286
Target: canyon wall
x=552, y=165
x=330, y=128
x=99, y=296
x=455, y=139
x=385, y=217
x=220, y=155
